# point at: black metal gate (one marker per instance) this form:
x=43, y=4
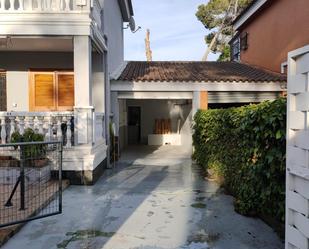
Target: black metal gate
x=30, y=181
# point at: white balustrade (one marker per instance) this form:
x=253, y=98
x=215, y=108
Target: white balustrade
x=47, y=6
x=93, y=8
x=41, y=122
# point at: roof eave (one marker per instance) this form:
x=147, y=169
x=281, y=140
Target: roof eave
x=126, y=8
x=248, y=13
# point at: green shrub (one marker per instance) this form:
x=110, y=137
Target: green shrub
x=246, y=146
x=35, y=151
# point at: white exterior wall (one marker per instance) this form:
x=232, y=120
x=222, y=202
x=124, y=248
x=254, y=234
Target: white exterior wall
x=297, y=190
x=113, y=28
x=17, y=91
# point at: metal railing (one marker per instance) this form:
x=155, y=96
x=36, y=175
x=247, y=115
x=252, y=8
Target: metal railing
x=30, y=181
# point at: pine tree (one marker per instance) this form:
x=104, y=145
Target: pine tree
x=217, y=17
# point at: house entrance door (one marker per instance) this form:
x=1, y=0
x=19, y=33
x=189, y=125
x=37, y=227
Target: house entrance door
x=134, y=125
x=51, y=91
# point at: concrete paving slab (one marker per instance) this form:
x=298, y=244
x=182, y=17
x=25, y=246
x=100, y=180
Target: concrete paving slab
x=155, y=198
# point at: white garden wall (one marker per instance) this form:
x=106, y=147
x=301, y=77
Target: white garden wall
x=297, y=191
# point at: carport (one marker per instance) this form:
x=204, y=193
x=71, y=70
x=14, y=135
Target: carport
x=154, y=118
x=153, y=103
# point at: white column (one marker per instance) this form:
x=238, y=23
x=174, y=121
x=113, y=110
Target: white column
x=83, y=110
x=195, y=102
x=98, y=82
x=115, y=110
x=82, y=71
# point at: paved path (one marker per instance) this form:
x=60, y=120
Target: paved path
x=154, y=199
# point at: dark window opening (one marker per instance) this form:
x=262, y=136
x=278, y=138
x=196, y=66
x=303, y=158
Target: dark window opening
x=238, y=44
x=236, y=50
x=244, y=41
x=2, y=91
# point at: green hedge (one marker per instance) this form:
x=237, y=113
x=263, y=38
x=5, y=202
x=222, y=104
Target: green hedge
x=246, y=147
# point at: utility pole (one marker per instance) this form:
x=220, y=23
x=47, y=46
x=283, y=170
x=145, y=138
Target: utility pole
x=147, y=46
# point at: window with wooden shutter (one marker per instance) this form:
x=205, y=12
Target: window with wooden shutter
x=2, y=91
x=51, y=91
x=65, y=91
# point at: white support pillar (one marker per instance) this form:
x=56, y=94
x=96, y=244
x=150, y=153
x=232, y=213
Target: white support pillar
x=83, y=109
x=195, y=102
x=82, y=71
x=98, y=96
x=115, y=110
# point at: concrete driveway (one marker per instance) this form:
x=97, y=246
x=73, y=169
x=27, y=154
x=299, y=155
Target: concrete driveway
x=153, y=199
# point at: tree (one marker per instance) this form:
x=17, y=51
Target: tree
x=217, y=16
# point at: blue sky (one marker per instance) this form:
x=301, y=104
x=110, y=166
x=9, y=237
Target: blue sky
x=176, y=34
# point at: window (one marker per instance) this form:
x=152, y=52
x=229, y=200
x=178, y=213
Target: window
x=244, y=41
x=238, y=44
x=51, y=91
x=236, y=49
x=2, y=91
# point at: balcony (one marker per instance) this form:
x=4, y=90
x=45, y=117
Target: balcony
x=50, y=17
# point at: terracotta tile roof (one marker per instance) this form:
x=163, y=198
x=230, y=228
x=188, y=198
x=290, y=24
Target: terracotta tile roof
x=196, y=71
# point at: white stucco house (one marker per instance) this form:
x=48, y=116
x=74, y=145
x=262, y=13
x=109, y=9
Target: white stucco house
x=55, y=62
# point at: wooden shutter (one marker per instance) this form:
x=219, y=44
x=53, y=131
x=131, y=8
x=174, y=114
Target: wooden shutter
x=65, y=91
x=2, y=91
x=51, y=91
x=42, y=92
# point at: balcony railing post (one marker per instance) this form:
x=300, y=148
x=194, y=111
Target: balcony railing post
x=48, y=134
x=21, y=124
x=12, y=127
x=20, y=4
x=30, y=121
x=3, y=130
x=39, y=2
x=69, y=133
x=40, y=124
x=11, y=5
x=59, y=130
x=2, y=7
